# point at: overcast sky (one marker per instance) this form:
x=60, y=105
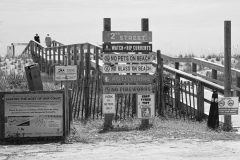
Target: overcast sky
x=178, y=26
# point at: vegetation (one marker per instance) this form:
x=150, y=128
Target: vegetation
x=128, y=130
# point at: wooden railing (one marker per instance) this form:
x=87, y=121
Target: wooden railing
x=76, y=55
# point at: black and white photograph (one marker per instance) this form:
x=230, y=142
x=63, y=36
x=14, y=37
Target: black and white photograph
x=119, y=79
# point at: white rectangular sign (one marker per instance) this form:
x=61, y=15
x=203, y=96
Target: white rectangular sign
x=228, y=106
x=127, y=58
x=128, y=68
x=63, y=73
x=146, y=106
x=33, y=115
x=108, y=103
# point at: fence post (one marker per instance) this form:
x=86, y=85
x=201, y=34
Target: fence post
x=87, y=82
x=238, y=84
x=200, y=101
x=176, y=65
x=194, y=68
x=227, y=71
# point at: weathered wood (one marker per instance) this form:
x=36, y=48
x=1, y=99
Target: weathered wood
x=87, y=83
x=2, y=115
x=200, y=101
x=107, y=117
x=227, y=70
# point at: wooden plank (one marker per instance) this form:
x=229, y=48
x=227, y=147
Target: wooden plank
x=2, y=115
x=128, y=58
x=128, y=68
x=127, y=89
x=115, y=79
x=123, y=47
x=127, y=36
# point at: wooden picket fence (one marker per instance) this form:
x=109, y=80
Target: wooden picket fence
x=181, y=96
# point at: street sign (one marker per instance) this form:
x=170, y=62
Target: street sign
x=123, y=47
x=128, y=68
x=108, y=103
x=114, y=79
x=127, y=36
x=115, y=89
x=228, y=106
x=146, y=106
x=63, y=73
x=127, y=58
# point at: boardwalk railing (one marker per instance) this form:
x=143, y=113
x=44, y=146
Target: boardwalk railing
x=184, y=94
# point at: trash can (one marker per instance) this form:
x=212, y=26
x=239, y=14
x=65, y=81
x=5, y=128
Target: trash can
x=33, y=77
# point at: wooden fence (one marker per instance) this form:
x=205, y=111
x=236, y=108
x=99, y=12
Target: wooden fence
x=184, y=97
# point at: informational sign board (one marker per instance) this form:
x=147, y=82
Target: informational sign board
x=115, y=89
x=127, y=58
x=128, y=68
x=123, y=47
x=146, y=105
x=63, y=73
x=108, y=103
x=228, y=106
x=127, y=36
x=115, y=79
x=33, y=115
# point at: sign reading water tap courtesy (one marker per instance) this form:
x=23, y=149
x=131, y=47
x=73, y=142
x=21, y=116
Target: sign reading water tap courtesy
x=108, y=103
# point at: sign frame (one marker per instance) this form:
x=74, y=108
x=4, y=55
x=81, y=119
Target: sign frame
x=228, y=106
x=65, y=73
x=127, y=36
x=54, y=126
x=116, y=79
x=109, y=106
x=145, y=105
x=128, y=58
x=124, y=47
x=129, y=68
x=120, y=89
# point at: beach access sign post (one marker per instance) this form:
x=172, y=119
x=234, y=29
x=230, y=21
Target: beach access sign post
x=128, y=62
x=66, y=73
x=228, y=106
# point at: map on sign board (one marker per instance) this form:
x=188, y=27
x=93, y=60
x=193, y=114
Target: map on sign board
x=228, y=106
x=128, y=58
x=114, y=89
x=33, y=114
x=114, y=79
x=146, y=105
x=128, y=68
x=123, y=47
x=63, y=73
x=127, y=36
x=108, y=103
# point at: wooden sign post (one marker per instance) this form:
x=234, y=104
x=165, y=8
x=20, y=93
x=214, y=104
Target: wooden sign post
x=108, y=117
x=227, y=71
x=133, y=64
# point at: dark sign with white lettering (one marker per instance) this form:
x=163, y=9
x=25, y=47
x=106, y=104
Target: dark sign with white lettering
x=123, y=47
x=127, y=36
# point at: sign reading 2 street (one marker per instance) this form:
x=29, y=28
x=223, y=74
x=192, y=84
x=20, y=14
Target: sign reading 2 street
x=128, y=58
x=126, y=68
x=127, y=36
x=123, y=47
